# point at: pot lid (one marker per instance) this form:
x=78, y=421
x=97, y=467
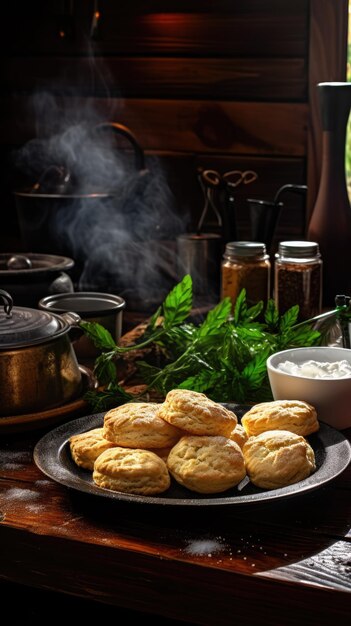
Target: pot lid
x=28, y=263
x=21, y=326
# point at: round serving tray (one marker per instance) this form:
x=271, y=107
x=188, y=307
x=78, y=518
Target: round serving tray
x=52, y=456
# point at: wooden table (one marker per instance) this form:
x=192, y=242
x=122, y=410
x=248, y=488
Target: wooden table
x=271, y=563
x=266, y=563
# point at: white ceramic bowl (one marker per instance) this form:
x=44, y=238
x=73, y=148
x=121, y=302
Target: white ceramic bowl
x=330, y=396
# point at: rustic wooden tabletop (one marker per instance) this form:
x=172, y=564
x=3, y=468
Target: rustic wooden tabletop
x=274, y=561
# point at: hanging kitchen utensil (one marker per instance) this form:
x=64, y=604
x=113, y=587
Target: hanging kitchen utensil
x=209, y=180
x=117, y=227
x=264, y=214
x=199, y=253
x=47, y=210
x=222, y=194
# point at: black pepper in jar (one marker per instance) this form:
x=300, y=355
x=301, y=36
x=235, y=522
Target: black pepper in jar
x=298, y=278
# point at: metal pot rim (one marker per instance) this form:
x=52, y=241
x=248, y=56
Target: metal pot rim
x=56, y=264
x=59, y=196
x=77, y=299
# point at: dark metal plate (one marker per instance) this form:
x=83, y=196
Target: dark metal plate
x=52, y=456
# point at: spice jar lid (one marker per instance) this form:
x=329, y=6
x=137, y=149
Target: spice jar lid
x=299, y=249
x=245, y=248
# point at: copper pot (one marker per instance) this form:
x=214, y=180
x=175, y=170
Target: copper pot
x=38, y=365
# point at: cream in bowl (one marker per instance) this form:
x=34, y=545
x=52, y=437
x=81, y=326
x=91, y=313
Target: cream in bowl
x=319, y=375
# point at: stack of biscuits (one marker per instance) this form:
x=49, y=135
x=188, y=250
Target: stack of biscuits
x=142, y=446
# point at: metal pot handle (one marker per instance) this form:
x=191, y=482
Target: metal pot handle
x=123, y=130
x=8, y=302
x=71, y=318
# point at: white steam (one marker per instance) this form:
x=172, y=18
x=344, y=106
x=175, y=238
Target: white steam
x=119, y=223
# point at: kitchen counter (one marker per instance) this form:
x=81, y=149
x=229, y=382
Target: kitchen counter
x=274, y=563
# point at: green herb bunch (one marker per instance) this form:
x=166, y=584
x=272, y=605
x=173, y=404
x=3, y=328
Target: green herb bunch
x=224, y=356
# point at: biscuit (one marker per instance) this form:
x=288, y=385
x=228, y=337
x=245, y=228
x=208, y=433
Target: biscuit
x=206, y=464
x=131, y=470
x=86, y=447
x=196, y=414
x=277, y=458
x=136, y=425
x=295, y=415
x=239, y=435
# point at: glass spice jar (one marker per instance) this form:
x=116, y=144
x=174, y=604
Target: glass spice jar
x=245, y=264
x=298, y=278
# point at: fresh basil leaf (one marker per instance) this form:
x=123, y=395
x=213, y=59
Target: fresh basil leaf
x=201, y=382
x=105, y=368
x=271, y=315
x=240, y=307
x=216, y=317
x=224, y=357
x=153, y=322
x=253, y=312
x=178, y=303
x=101, y=337
x=289, y=318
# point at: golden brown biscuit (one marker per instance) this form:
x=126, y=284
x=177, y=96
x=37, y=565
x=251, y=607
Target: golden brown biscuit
x=206, y=464
x=86, y=447
x=136, y=425
x=195, y=413
x=239, y=435
x=131, y=470
x=295, y=415
x=277, y=458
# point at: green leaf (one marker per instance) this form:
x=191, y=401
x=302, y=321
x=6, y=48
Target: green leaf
x=256, y=370
x=253, y=312
x=178, y=303
x=201, y=382
x=271, y=315
x=112, y=397
x=216, y=317
x=240, y=307
x=224, y=357
x=148, y=372
x=105, y=369
x=153, y=321
x=289, y=318
x=101, y=337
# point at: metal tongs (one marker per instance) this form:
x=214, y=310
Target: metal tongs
x=212, y=183
x=333, y=325
x=264, y=214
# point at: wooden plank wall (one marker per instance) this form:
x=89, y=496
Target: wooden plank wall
x=217, y=85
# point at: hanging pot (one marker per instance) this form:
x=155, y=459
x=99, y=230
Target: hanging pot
x=28, y=277
x=38, y=365
x=49, y=209
x=121, y=235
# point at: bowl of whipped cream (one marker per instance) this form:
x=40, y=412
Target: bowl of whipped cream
x=319, y=375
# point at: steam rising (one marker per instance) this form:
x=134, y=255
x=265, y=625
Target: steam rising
x=92, y=204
